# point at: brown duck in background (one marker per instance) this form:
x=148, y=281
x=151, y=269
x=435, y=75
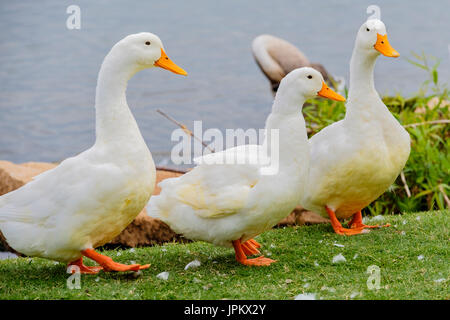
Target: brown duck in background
x=277, y=57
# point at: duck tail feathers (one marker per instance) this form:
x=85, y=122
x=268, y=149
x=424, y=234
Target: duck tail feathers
x=153, y=209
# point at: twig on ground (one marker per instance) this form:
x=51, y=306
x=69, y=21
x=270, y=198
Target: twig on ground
x=405, y=184
x=427, y=122
x=447, y=200
x=184, y=128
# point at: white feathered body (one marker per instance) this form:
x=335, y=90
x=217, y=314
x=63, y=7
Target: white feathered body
x=220, y=203
x=89, y=199
x=353, y=163
x=83, y=203
x=355, y=160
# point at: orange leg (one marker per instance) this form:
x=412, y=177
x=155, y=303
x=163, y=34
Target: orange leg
x=254, y=243
x=357, y=222
x=109, y=265
x=242, y=258
x=338, y=228
x=85, y=269
x=250, y=247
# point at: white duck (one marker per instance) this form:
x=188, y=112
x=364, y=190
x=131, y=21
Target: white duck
x=226, y=202
x=353, y=161
x=64, y=213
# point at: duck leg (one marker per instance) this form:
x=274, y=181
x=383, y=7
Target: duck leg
x=242, y=258
x=338, y=228
x=250, y=247
x=255, y=243
x=83, y=268
x=357, y=222
x=109, y=265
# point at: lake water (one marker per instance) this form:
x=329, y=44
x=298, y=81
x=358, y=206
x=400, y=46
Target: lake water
x=48, y=73
x=7, y=255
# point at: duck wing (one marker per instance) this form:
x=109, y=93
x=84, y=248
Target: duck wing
x=217, y=189
x=61, y=191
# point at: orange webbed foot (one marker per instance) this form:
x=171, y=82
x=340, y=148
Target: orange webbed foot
x=109, y=265
x=349, y=232
x=338, y=228
x=258, y=262
x=250, y=248
x=254, y=242
x=83, y=268
x=241, y=255
x=357, y=223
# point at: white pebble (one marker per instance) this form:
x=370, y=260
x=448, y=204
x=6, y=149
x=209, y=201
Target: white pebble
x=328, y=289
x=132, y=250
x=440, y=280
x=306, y=285
x=163, y=275
x=354, y=294
x=339, y=258
x=192, y=264
x=196, y=280
x=306, y=296
x=421, y=257
x=316, y=264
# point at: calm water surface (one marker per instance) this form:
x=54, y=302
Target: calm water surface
x=48, y=73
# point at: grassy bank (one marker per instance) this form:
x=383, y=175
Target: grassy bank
x=412, y=255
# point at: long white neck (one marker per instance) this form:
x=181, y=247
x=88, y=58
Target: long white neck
x=362, y=65
x=363, y=99
x=287, y=119
x=115, y=123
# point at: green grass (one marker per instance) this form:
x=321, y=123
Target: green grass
x=395, y=250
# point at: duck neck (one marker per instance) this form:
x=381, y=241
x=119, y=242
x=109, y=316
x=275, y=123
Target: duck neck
x=363, y=99
x=114, y=120
x=286, y=123
x=362, y=65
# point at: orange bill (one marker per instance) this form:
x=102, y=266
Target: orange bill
x=165, y=63
x=326, y=92
x=384, y=47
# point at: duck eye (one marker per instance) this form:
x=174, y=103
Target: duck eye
x=147, y=43
x=310, y=77
x=367, y=29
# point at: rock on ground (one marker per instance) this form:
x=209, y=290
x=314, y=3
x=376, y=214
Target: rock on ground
x=301, y=216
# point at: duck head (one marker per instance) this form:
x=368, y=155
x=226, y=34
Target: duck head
x=306, y=83
x=372, y=38
x=144, y=50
